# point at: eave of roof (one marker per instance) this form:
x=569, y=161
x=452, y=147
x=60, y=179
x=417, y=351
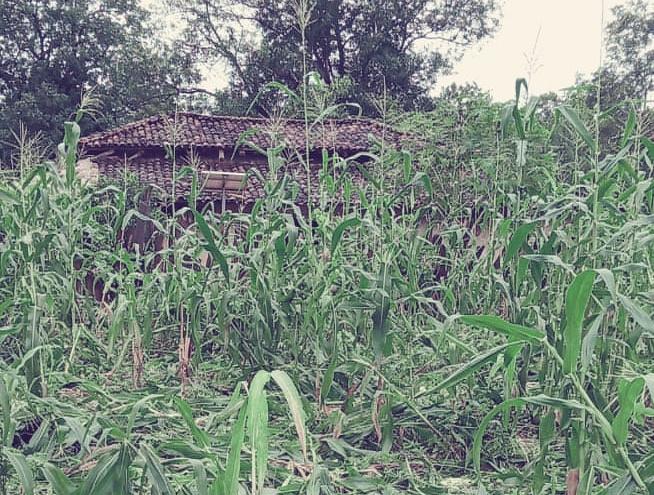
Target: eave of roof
x=201, y=131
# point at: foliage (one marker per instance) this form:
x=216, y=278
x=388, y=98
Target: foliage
x=372, y=47
x=387, y=387
x=55, y=51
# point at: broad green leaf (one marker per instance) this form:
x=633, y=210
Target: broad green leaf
x=498, y=325
x=136, y=408
x=23, y=471
x=578, y=125
x=642, y=319
x=589, y=341
x=233, y=468
x=155, y=471
x=341, y=227
x=5, y=404
x=519, y=84
x=257, y=429
x=200, y=436
x=295, y=405
x=57, y=480
x=9, y=197
x=576, y=301
x=473, y=366
x=518, y=239
x=200, y=475
x=328, y=380
x=210, y=244
x=628, y=395
x=110, y=475
x=380, y=317
x=546, y=430
x=628, y=128
x=649, y=146
x=548, y=258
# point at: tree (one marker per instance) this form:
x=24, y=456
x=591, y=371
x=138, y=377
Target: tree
x=54, y=50
x=625, y=81
x=630, y=47
x=397, y=47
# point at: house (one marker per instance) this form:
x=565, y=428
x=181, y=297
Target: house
x=224, y=152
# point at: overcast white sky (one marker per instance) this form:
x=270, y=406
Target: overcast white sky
x=568, y=44
x=562, y=37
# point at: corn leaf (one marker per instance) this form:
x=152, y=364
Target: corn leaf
x=341, y=227
x=60, y=484
x=295, y=405
x=498, y=325
x=577, y=297
x=628, y=395
x=518, y=239
x=23, y=471
x=257, y=429
x=210, y=244
x=233, y=468
x=155, y=471
x=578, y=125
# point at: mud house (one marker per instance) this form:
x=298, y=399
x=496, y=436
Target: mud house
x=227, y=156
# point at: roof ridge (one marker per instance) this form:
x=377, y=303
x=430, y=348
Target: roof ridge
x=205, y=129
x=264, y=119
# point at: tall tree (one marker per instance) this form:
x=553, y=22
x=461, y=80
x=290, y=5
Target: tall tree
x=396, y=46
x=53, y=50
x=625, y=81
x=630, y=47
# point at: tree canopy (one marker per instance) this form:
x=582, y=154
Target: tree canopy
x=53, y=50
x=397, y=47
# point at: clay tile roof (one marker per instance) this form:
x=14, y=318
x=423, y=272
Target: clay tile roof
x=197, y=130
x=158, y=173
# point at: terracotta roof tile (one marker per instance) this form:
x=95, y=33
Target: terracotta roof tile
x=158, y=173
x=197, y=130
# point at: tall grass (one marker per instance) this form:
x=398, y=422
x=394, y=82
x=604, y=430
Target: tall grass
x=481, y=307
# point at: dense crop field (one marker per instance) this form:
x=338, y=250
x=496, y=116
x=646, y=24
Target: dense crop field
x=481, y=321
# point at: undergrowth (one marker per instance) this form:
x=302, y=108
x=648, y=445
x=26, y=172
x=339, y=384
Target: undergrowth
x=476, y=318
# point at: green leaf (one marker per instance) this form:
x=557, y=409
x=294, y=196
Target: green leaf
x=338, y=231
x=640, y=317
x=589, y=342
x=578, y=125
x=498, y=325
x=71, y=139
x=518, y=239
x=380, y=317
x=519, y=84
x=19, y=463
x=474, y=365
x=200, y=436
x=233, y=468
x=155, y=471
x=628, y=128
x=649, y=146
x=328, y=380
x=5, y=404
x=257, y=429
x=58, y=481
x=9, y=197
x=628, y=395
x=576, y=301
x=110, y=475
x=136, y=408
x=295, y=405
x=210, y=244
x=538, y=400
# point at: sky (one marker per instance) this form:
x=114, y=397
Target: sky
x=561, y=38
x=549, y=42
